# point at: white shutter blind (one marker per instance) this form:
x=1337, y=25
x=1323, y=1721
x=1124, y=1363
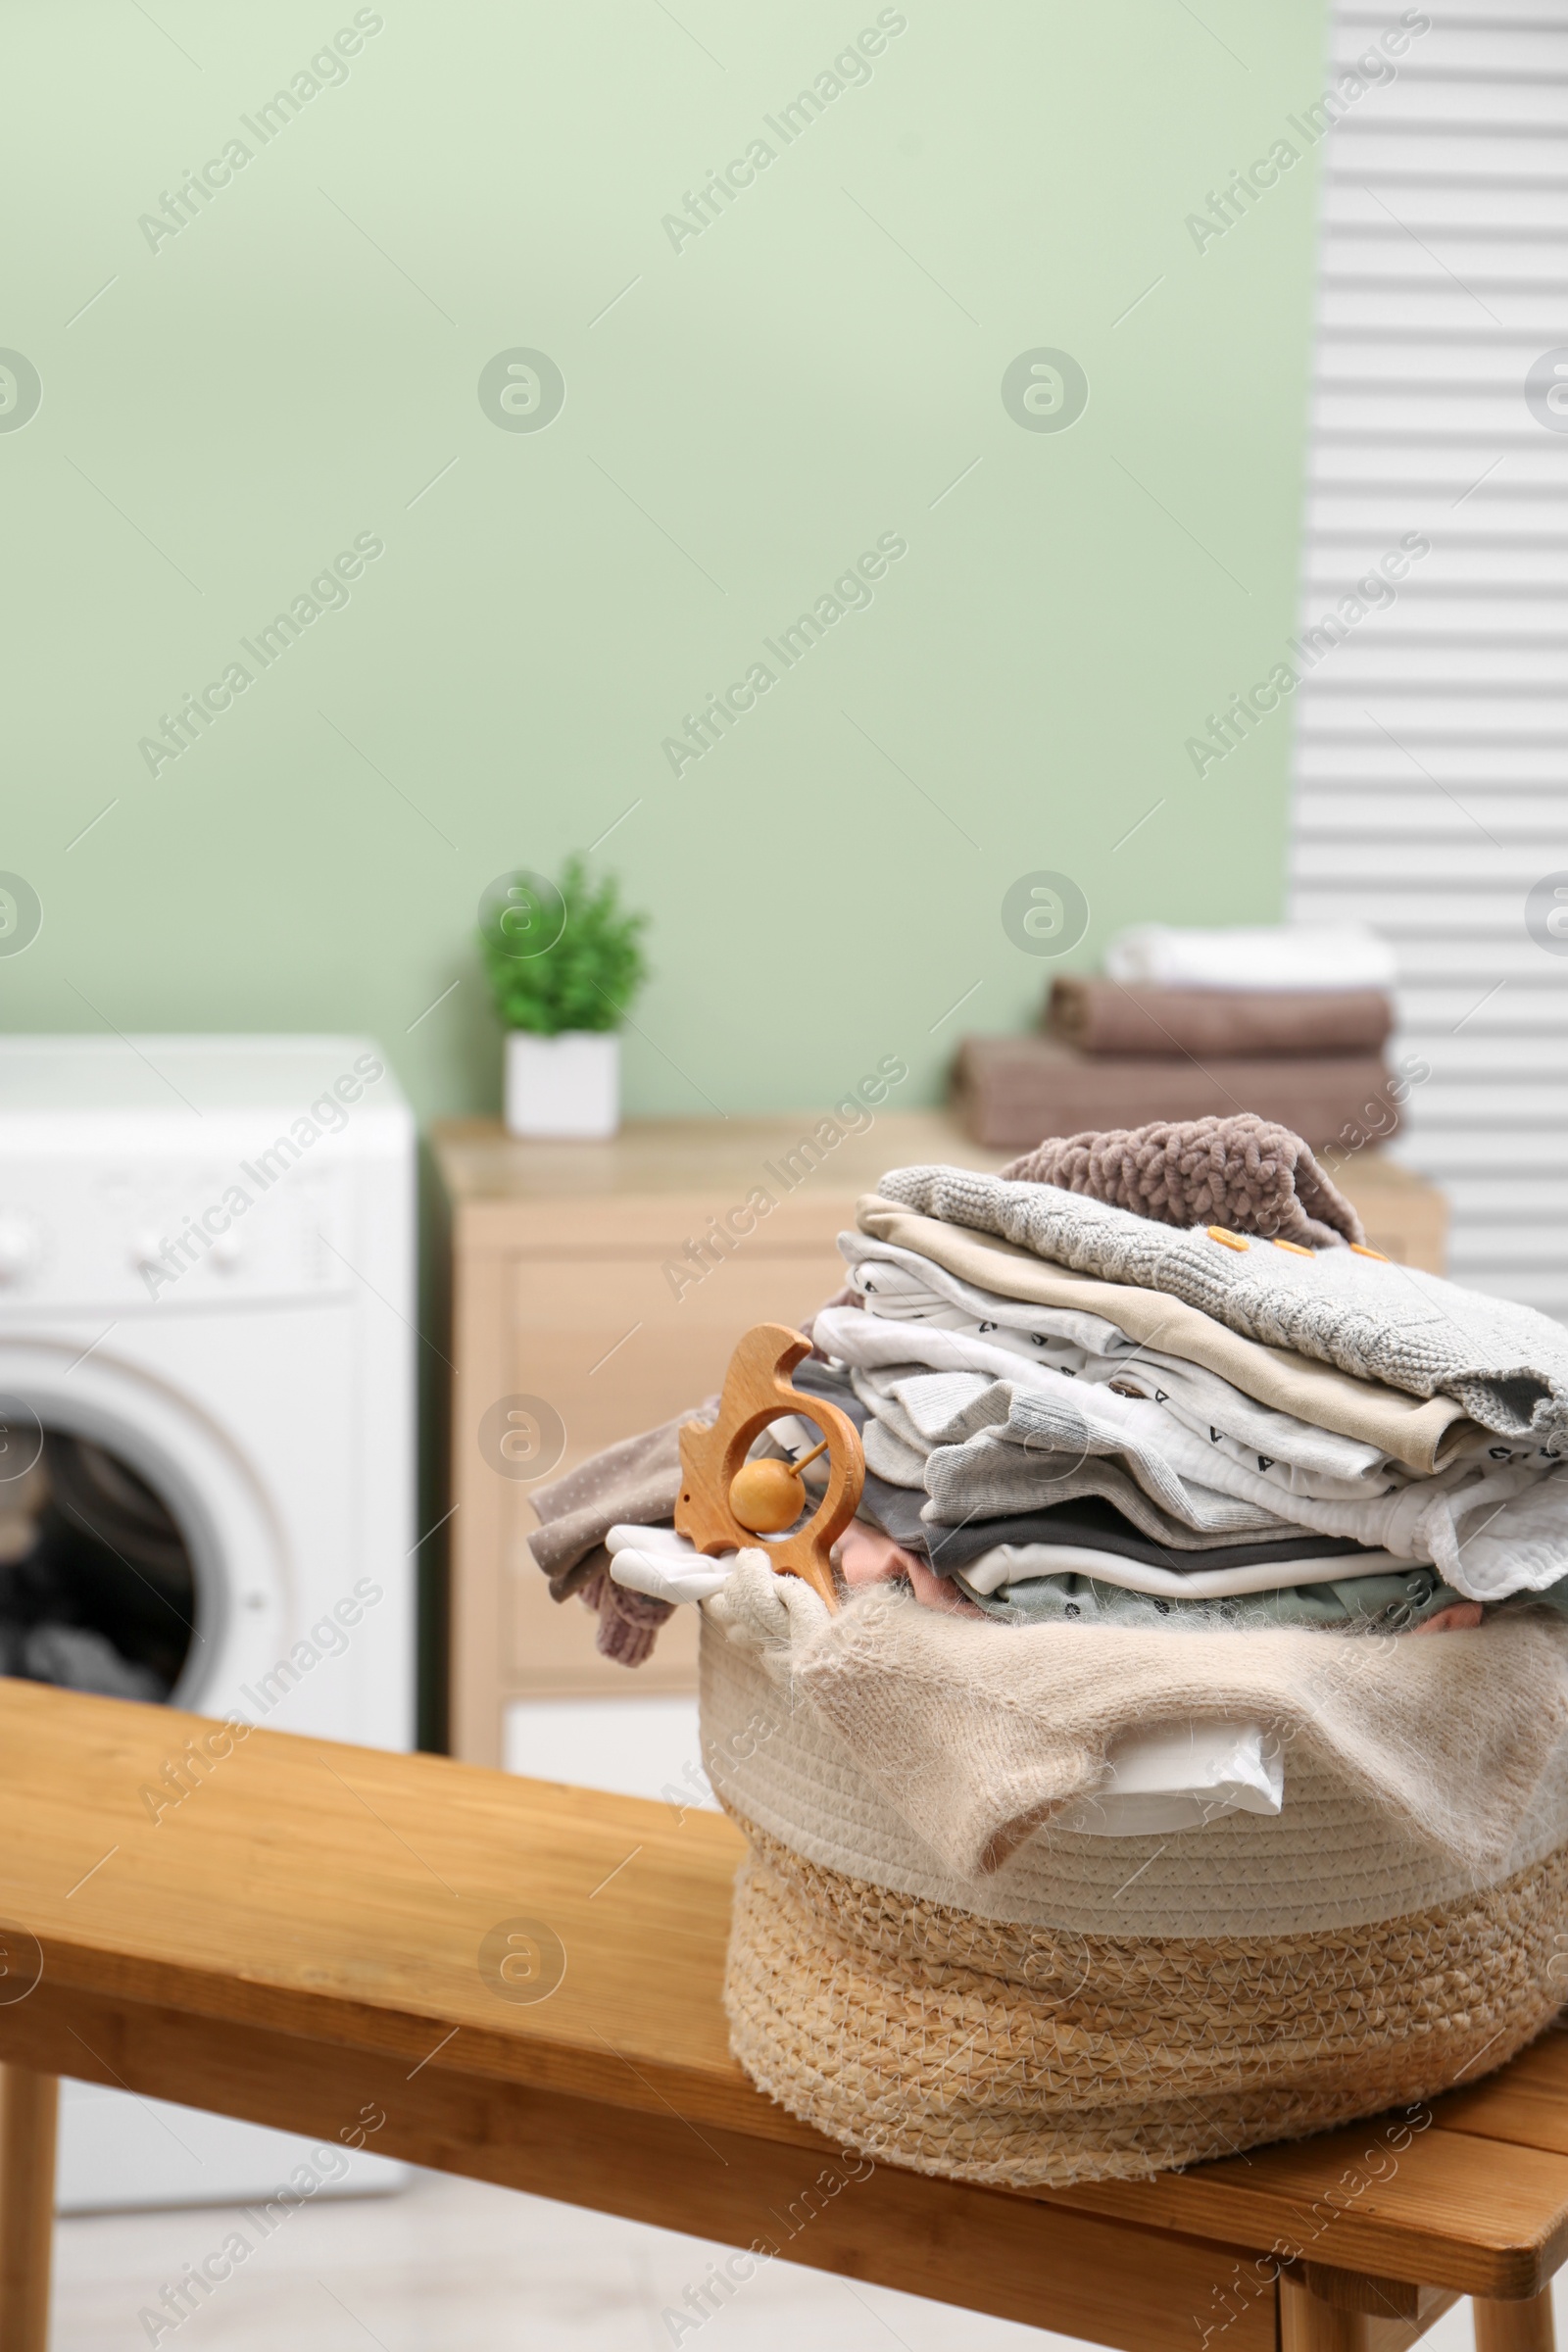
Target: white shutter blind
x=1431, y=785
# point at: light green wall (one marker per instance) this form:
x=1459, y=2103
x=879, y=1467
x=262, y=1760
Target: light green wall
x=756, y=411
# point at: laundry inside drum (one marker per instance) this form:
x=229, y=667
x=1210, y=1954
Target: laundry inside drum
x=97, y=1586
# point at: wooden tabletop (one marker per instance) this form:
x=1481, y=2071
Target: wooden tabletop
x=522, y=1980
x=815, y=1166
x=481, y=1162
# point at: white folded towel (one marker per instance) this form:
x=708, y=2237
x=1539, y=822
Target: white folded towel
x=1281, y=956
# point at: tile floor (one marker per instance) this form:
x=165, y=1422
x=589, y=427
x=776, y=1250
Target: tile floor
x=453, y=2265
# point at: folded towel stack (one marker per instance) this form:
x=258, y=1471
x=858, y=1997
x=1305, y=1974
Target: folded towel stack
x=1188, y=1024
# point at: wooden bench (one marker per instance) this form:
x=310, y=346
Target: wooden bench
x=521, y=1981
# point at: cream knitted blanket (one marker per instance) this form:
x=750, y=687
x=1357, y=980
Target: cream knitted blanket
x=976, y=1735
x=1505, y=1365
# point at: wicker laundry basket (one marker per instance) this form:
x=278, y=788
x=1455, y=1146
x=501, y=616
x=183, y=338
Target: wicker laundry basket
x=1102, y=2007
x=927, y=1965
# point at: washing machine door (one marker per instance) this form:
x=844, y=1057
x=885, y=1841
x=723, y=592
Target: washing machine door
x=133, y=1536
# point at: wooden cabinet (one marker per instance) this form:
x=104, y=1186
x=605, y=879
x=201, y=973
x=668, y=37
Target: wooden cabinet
x=598, y=1289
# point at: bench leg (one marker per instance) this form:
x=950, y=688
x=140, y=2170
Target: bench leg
x=1309, y=2325
x=1515, y=2326
x=28, y=2105
x=1325, y=2310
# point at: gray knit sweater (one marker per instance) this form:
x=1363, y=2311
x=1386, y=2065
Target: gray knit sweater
x=1506, y=1365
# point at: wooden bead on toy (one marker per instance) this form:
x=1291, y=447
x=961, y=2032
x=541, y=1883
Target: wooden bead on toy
x=766, y=1497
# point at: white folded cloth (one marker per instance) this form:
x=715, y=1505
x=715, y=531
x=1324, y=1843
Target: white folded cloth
x=1182, y=1779
x=1282, y=957
x=1014, y=1563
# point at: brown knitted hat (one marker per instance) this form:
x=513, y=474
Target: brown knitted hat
x=1243, y=1172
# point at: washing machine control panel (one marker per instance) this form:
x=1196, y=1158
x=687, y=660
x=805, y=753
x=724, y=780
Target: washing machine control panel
x=151, y=1232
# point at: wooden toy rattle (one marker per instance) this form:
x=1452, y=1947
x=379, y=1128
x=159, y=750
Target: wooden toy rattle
x=727, y=1502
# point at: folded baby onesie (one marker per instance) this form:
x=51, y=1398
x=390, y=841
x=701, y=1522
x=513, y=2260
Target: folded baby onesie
x=1421, y=1431
x=981, y=1447
x=901, y=1288
x=995, y=1445
x=1503, y=1365
x=1088, y=1518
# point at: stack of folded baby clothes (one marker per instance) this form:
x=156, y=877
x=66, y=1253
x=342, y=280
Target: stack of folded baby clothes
x=1142, y=1378
x=1188, y=1024
x=1073, y=1412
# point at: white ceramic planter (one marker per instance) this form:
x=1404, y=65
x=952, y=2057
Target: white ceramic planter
x=564, y=1086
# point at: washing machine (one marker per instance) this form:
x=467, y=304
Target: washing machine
x=206, y=1439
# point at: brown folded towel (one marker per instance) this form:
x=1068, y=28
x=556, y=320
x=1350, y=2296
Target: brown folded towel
x=1101, y=1016
x=1011, y=1090
x=1246, y=1173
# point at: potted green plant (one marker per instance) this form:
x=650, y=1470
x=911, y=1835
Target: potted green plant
x=565, y=960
